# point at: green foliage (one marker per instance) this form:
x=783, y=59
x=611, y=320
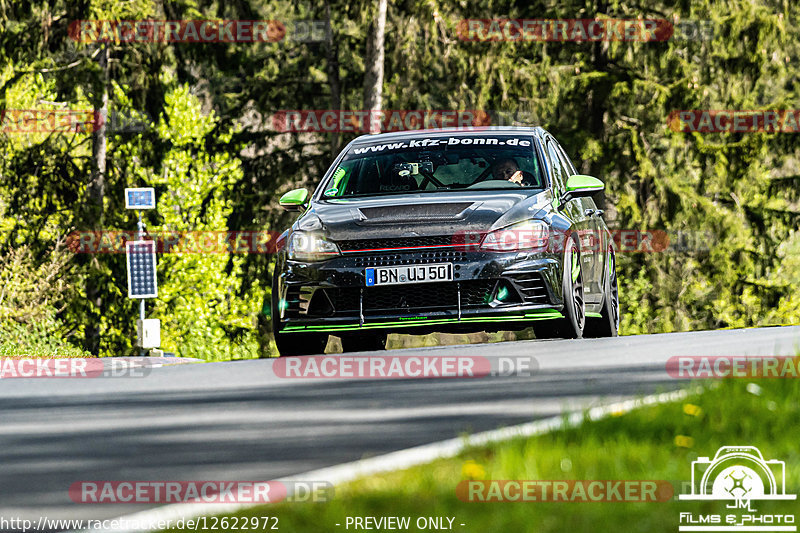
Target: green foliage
x=201, y=316
x=31, y=297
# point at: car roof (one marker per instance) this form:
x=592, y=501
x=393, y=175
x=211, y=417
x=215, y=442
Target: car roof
x=481, y=130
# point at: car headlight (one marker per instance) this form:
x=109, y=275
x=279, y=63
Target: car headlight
x=531, y=235
x=310, y=247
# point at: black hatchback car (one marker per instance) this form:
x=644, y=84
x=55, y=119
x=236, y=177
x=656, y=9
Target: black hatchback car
x=444, y=230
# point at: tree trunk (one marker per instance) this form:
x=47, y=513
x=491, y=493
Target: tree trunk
x=597, y=107
x=373, y=77
x=99, y=141
x=332, y=51
x=96, y=192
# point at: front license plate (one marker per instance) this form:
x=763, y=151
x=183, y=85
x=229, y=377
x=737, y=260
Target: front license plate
x=400, y=275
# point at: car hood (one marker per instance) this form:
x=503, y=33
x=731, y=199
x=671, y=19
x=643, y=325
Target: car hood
x=412, y=215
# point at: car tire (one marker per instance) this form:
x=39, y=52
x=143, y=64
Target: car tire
x=293, y=344
x=365, y=342
x=574, y=321
x=608, y=323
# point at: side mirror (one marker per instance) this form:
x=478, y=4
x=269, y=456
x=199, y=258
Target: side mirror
x=580, y=185
x=294, y=200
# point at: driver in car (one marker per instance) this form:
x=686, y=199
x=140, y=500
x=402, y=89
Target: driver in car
x=507, y=169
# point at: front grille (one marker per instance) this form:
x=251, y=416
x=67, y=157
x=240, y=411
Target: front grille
x=476, y=293
x=531, y=286
x=395, y=243
x=344, y=301
x=422, y=297
x=298, y=299
x=427, y=296
x=436, y=256
x=398, y=297
x=292, y=301
x=413, y=298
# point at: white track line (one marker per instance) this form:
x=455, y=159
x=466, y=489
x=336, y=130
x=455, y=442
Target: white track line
x=398, y=460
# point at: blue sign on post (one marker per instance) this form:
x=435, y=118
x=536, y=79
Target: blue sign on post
x=140, y=198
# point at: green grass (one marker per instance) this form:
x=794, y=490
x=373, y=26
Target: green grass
x=652, y=443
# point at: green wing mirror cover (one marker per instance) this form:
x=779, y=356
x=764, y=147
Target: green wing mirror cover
x=583, y=182
x=294, y=197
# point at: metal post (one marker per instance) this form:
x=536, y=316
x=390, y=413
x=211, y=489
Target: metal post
x=140, y=236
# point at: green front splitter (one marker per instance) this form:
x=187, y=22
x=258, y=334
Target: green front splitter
x=547, y=314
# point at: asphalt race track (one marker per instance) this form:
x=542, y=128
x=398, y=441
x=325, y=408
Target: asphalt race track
x=238, y=421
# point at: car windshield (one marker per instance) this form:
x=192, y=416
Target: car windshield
x=437, y=164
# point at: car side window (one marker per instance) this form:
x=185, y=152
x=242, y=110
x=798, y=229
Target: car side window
x=567, y=170
x=566, y=163
x=556, y=174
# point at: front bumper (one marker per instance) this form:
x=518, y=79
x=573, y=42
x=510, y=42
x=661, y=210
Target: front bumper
x=332, y=296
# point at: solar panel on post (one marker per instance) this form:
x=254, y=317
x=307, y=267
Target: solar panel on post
x=141, y=263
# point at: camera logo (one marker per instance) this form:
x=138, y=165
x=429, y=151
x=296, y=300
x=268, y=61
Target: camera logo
x=738, y=473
